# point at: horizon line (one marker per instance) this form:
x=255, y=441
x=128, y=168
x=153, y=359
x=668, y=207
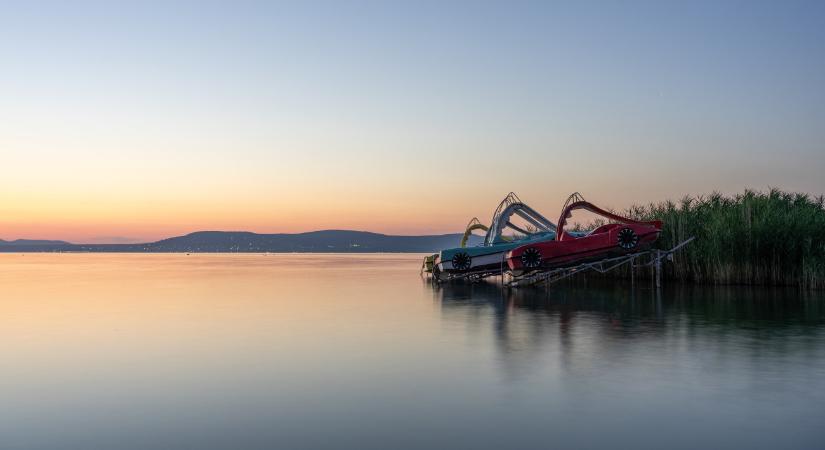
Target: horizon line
x=225, y=231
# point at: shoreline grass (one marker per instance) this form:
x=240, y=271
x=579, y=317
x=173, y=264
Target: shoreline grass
x=756, y=238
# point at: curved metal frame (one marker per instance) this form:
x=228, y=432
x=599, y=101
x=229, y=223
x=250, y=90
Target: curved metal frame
x=474, y=224
x=512, y=205
x=576, y=201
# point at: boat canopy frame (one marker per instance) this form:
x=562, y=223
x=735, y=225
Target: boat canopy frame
x=474, y=224
x=575, y=201
x=510, y=206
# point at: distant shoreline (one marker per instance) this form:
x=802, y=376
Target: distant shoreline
x=325, y=241
x=80, y=252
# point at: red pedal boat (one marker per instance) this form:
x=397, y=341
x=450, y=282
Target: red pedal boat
x=621, y=237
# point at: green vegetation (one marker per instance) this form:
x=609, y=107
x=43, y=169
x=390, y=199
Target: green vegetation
x=763, y=238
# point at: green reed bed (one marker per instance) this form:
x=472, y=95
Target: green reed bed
x=761, y=238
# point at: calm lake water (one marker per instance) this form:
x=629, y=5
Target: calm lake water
x=357, y=351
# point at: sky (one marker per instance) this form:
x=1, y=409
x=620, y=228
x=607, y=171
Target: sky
x=134, y=121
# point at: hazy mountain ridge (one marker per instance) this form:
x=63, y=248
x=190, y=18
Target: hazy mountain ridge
x=23, y=242
x=333, y=241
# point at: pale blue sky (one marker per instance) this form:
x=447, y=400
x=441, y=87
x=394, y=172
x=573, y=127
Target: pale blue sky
x=442, y=107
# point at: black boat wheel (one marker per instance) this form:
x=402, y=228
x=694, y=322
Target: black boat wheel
x=627, y=239
x=461, y=261
x=531, y=258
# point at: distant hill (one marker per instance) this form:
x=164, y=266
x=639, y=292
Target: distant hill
x=22, y=242
x=329, y=241
x=33, y=245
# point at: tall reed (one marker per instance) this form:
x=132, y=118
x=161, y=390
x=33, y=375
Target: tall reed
x=759, y=238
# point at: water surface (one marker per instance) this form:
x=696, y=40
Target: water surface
x=357, y=351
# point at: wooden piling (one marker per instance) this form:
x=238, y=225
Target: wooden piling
x=658, y=269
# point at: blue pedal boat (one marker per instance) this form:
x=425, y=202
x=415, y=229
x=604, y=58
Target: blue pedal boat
x=501, y=236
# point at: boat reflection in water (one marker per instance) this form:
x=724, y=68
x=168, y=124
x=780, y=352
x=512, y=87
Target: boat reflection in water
x=666, y=343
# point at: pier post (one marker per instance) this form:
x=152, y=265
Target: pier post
x=658, y=269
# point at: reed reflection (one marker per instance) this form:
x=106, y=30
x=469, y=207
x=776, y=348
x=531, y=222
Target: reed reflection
x=601, y=324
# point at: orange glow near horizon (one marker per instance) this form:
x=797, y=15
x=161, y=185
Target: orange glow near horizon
x=102, y=218
x=88, y=197
x=109, y=221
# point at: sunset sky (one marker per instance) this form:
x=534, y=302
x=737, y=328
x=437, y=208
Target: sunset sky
x=133, y=121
